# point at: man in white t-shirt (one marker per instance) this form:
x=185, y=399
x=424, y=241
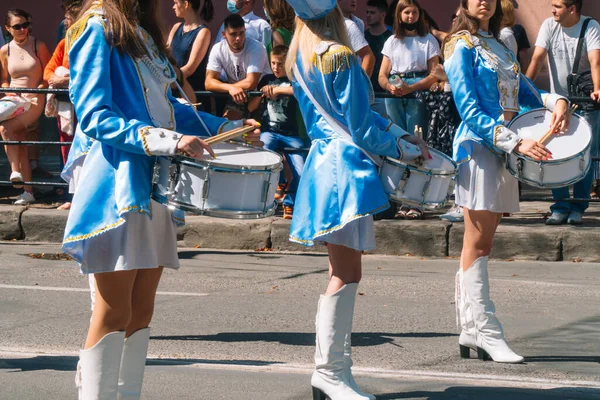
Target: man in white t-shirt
x=557, y=40
x=348, y=8
x=243, y=61
x=256, y=27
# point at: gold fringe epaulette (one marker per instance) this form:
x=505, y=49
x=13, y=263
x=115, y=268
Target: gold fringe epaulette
x=77, y=29
x=451, y=43
x=335, y=59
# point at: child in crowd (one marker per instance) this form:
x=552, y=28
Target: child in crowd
x=279, y=122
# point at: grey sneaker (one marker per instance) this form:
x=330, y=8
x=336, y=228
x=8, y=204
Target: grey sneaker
x=557, y=218
x=455, y=214
x=575, y=218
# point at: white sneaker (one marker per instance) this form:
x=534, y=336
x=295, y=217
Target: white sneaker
x=25, y=198
x=17, y=179
x=455, y=214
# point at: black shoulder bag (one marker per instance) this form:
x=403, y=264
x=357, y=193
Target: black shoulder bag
x=581, y=85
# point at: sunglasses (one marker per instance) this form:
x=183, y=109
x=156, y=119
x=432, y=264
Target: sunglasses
x=18, y=27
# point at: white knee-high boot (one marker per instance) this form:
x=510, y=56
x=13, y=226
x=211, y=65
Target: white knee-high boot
x=464, y=319
x=488, y=333
x=133, y=363
x=98, y=368
x=348, y=360
x=333, y=323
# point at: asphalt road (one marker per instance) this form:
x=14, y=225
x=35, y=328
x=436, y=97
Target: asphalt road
x=234, y=325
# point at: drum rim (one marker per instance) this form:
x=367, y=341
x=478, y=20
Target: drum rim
x=557, y=161
x=212, y=163
x=438, y=172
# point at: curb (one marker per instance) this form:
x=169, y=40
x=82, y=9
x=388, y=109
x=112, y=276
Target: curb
x=515, y=239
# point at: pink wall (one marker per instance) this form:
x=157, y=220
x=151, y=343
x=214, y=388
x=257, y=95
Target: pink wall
x=530, y=14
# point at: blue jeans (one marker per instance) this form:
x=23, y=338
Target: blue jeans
x=277, y=142
x=581, y=189
x=408, y=113
x=379, y=107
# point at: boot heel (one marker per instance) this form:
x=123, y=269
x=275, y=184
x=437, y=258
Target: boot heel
x=465, y=351
x=318, y=394
x=483, y=355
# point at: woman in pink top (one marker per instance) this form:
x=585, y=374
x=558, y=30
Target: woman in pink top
x=23, y=59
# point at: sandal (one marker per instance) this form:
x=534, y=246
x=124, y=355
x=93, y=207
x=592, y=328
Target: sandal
x=414, y=213
x=595, y=193
x=402, y=212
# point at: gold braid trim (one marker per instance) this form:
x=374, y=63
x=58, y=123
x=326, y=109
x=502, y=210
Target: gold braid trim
x=338, y=58
x=77, y=29
x=451, y=43
x=143, y=133
x=497, y=131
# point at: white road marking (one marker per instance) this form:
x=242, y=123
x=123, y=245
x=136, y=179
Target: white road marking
x=68, y=289
x=465, y=378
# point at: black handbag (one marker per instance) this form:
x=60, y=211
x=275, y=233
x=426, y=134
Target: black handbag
x=581, y=84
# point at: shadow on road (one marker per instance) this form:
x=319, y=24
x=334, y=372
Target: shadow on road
x=496, y=393
x=303, y=339
x=69, y=363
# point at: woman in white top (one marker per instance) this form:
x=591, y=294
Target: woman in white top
x=409, y=56
x=507, y=35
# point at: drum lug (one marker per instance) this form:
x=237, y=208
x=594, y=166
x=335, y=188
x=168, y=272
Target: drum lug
x=519, y=168
x=174, y=172
x=403, y=181
x=206, y=188
x=426, y=188
x=541, y=174
x=582, y=163
x=156, y=171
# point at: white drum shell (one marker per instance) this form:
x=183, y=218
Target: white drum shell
x=571, y=151
x=428, y=186
x=215, y=189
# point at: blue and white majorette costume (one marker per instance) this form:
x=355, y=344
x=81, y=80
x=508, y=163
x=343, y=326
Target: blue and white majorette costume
x=125, y=105
x=486, y=83
x=340, y=186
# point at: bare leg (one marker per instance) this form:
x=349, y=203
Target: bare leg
x=112, y=309
x=344, y=267
x=142, y=299
x=480, y=228
x=12, y=130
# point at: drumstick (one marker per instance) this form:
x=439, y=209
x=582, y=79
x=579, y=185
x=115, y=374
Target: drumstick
x=229, y=135
x=550, y=133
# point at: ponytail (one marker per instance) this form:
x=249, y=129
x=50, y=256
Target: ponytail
x=207, y=11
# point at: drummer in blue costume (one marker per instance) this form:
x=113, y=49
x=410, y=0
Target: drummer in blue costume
x=120, y=87
x=489, y=91
x=340, y=189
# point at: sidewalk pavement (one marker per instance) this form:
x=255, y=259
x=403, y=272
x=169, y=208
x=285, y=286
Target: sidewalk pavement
x=522, y=236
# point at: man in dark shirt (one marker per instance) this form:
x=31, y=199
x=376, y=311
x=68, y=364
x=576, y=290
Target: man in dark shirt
x=522, y=43
x=376, y=36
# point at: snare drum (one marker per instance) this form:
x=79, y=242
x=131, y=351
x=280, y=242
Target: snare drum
x=570, y=161
x=239, y=183
x=428, y=186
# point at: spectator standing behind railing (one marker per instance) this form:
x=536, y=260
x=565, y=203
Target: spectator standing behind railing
x=408, y=59
x=23, y=59
x=376, y=36
x=357, y=37
x=557, y=41
x=281, y=16
x=243, y=60
x=256, y=27
x=189, y=42
x=507, y=36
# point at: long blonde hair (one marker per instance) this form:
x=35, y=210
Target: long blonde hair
x=309, y=34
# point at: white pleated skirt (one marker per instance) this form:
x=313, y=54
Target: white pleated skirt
x=484, y=183
x=139, y=243
x=358, y=235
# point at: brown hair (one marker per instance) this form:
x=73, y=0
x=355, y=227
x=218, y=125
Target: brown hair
x=466, y=22
x=508, y=11
x=281, y=14
x=16, y=12
x=280, y=51
x=123, y=18
x=422, y=27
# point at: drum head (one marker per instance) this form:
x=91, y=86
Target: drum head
x=534, y=124
x=439, y=162
x=239, y=155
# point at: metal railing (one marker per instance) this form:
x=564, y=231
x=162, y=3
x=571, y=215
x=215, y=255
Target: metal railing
x=205, y=93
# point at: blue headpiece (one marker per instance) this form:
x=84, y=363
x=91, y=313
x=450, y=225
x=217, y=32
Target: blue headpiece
x=312, y=9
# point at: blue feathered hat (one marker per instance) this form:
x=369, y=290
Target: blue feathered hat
x=312, y=9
